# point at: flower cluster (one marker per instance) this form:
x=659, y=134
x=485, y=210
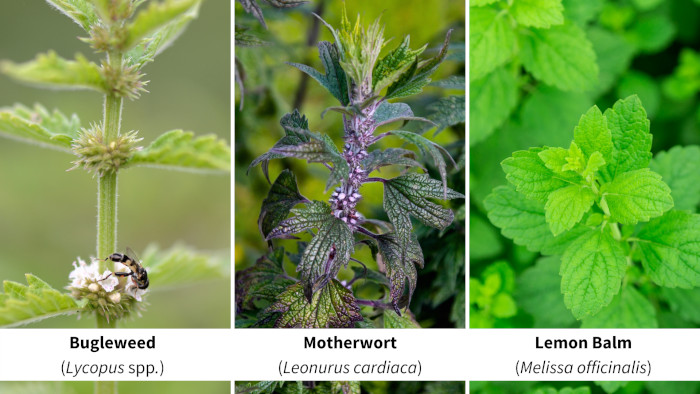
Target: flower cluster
x=100, y=158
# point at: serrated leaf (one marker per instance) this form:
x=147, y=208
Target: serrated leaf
x=252, y=7
x=670, y=247
x=629, y=126
x=528, y=173
x=156, y=16
x=50, y=70
x=538, y=13
x=636, y=196
x=332, y=306
x=407, y=195
x=150, y=46
x=629, y=309
x=283, y=196
x=390, y=67
x=391, y=156
x=679, y=167
x=566, y=206
x=400, y=257
x=263, y=281
x=39, y=126
x=22, y=304
x=591, y=268
x=312, y=215
x=428, y=148
x=80, y=11
x=492, y=41
x=538, y=293
x=180, y=150
x=456, y=82
x=492, y=99
x=561, y=56
x=318, y=149
x=180, y=265
x=335, y=80
x=448, y=111
x=523, y=221
x=592, y=134
x=418, y=75
x=388, y=112
x=244, y=39
x=392, y=320
x=291, y=123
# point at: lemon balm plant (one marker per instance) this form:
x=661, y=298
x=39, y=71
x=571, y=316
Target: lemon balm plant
x=129, y=34
x=366, y=85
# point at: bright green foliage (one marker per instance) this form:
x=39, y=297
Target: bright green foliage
x=491, y=101
x=636, y=196
x=538, y=293
x=39, y=126
x=679, y=167
x=561, y=56
x=538, y=13
x=23, y=304
x=283, y=196
x=491, y=298
x=492, y=41
x=181, y=265
x=181, y=150
x=392, y=320
x=629, y=309
x=684, y=302
x=670, y=248
x=530, y=176
x=332, y=306
x=80, y=11
x=50, y=70
x=685, y=80
x=566, y=206
x=631, y=139
x=155, y=17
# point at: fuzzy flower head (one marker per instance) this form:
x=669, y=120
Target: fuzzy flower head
x=106, y=293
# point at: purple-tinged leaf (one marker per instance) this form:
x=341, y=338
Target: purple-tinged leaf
x=391, y=156
x=388, y=112
x=252, y=7
x=283, y=196
x=263, y=281
x=400, y=257
x=313, y=215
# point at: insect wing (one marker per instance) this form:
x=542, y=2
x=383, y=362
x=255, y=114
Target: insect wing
x=132, y=255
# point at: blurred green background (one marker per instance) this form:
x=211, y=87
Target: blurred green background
x=273, y=88
x=123, y=387
x=48, y=215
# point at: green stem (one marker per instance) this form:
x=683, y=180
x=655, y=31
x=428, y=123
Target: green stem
x=105, y=387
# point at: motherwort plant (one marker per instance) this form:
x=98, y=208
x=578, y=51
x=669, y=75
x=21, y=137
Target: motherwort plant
x=130, y=34
x=363, y=83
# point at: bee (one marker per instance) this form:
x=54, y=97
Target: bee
x=138, y=274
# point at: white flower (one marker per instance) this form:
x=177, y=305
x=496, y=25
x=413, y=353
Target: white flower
x=86, y=274
x=115, y=297
x=133, y=290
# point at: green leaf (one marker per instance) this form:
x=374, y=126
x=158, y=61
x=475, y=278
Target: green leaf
x=523, y=221
x=388, y=112
x=263, y=281
x=283, y=196
x=39, y=126
x=592, y=134
x=335, y=80
x=629, y=126
x=592, y=269
x=614, y=55
x=180, y=150
x=447, y=111
x=684, y=83
x=492, y=41
x=390, y=156
x=392, y=320
x=611, y=387
x=629, y=309
x=528, y=173
x=418, y=75
x=80, y=11
x=400, y=257
x=22, y=304
x=538, y=293
x=456, y=82
x=155, y=17
x=428, y=148
x=652, y=33
x=180, y=265
x=150, y=46
x=636, y=196
x=293, y=125
x=258, y=387
x=333, y=306
x=679, y=167
x=684, y=302
x=538, y=13
x=406, y=196
x=643, y=85
x=244, y=39
x=50, y=70
x=318, y=149
x=561, y=56
x=491, y=101
x=312, y=215
x=566, y=206
x=670, y=247
x=390, y=67
x=484, y=242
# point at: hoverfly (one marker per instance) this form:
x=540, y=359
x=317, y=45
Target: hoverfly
x=138, y=273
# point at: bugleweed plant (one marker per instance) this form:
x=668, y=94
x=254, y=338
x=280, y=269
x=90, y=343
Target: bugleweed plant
x=363, y=83
x=130, y=34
